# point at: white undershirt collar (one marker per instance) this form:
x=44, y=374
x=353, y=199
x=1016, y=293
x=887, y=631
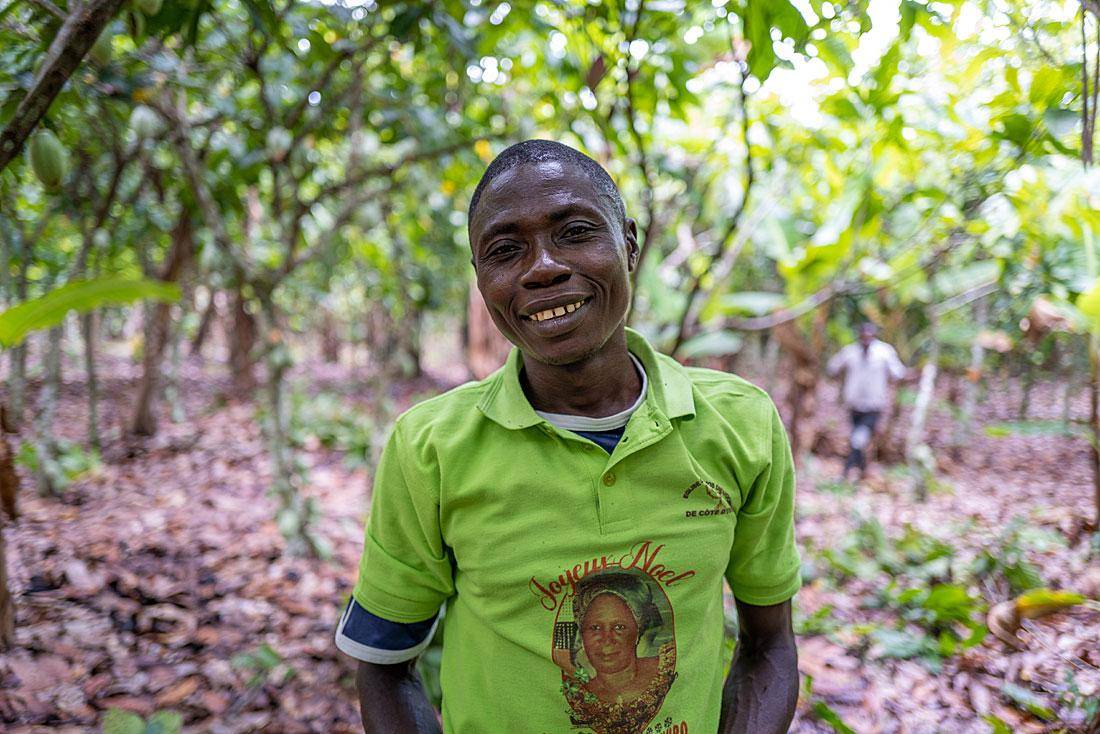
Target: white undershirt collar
x=606, y=423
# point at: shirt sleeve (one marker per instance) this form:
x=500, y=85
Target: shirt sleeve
x=897, y=369
x=764, y=565
x=368, y=637
x=405, y=572
x=837, y=363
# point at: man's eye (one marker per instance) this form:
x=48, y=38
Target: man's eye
x=502, y=250
x=578, y=230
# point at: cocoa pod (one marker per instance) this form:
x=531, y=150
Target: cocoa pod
x=101, y=51
x=49, y=160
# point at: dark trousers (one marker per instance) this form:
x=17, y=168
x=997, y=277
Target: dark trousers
x=863, y=427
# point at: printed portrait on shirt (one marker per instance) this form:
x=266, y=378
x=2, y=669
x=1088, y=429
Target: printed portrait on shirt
x=615, y=643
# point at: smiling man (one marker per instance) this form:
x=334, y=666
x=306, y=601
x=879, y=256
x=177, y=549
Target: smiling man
x=577, y=511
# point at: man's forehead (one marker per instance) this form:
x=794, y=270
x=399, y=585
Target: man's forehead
x=545, y=175
x=528, y=187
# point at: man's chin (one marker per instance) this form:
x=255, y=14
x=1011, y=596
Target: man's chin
x=564, y=356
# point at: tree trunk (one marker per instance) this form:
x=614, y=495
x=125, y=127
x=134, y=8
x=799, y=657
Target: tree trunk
x=87, y=327
x=1028, y=384
x=208, y=315
x=408, y=342
x=802, y=392
x=17, y=384
x=9, y=487
x=18, y=375
x=964, y=427
x=1094, y=420
x=172, y=384
x=330, y=338
x=7, y=605
x=916, y=450
x=48, y=473
x=486, y=348
x=144, y=421
x=242, y=340
x=296, y=514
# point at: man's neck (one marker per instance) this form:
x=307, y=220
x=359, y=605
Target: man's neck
x=600, y=385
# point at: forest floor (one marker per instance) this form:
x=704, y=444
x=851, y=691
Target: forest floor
x=158, y=580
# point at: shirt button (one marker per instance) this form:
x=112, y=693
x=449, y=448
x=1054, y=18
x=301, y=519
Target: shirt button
x=609, y=479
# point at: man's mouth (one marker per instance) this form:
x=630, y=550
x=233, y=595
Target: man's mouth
x=556, y=312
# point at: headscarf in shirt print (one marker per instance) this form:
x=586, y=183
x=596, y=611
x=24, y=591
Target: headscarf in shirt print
x=617, y=621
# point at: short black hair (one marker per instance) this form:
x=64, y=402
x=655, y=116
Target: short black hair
x=537, y=151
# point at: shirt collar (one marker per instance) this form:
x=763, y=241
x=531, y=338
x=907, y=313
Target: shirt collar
x=669, y=387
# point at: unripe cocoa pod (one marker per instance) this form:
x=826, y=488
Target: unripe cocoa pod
x=48, y=159
x=101, y=51
x=149, y=7
x=144, y=121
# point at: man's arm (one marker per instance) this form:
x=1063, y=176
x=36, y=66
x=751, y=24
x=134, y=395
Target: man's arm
x=761, y=691
x=837, y=364
x=392, y=700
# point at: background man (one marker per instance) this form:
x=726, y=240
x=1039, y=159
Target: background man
x=586, y=457
x=868, y=365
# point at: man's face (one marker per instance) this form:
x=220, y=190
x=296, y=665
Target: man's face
x=866, y=336
x=552, y=261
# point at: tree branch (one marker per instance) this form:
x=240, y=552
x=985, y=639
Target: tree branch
x=51, y=9
x=76, y=36
x=175, y=111
x=689, y=315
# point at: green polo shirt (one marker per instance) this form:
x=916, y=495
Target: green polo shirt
x=583, y=591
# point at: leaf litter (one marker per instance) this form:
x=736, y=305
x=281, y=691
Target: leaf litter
x=159, y=581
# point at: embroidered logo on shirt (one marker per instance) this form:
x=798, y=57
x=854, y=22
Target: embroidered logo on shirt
x=722, y=503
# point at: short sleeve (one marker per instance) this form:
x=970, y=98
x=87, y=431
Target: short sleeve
x=837, y=363
x=897, y=369
x=764, y=566
x=405, y=572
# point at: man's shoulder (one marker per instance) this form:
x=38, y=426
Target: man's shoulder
x=455, y=404
x=715, y=384
x=883, y=349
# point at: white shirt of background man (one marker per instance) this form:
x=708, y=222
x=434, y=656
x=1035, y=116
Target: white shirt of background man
x=867, y=374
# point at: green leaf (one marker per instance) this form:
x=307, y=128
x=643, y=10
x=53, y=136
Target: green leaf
x=1047, y=86
x=80, y=296
x=754, y=303
x=832, y=718
x=1028, y=701
x=1088, y=303
x=1060, y=121
x=1037, y=602
x=1016, y=128
x=117, y=721
x=900, y=644
x=958, y=280
x=164, y=722
x=712, y=344
x=263, y=15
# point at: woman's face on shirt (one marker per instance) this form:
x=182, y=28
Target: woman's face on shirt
x=610, y=634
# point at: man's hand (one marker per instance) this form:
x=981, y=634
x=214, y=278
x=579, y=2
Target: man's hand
x=392, y=700
x=761, y=691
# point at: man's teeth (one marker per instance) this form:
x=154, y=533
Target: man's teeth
x=553, y=313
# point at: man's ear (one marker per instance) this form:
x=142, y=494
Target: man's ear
x=630, y=232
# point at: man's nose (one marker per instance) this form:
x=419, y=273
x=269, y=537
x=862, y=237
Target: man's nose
x=545, y=270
